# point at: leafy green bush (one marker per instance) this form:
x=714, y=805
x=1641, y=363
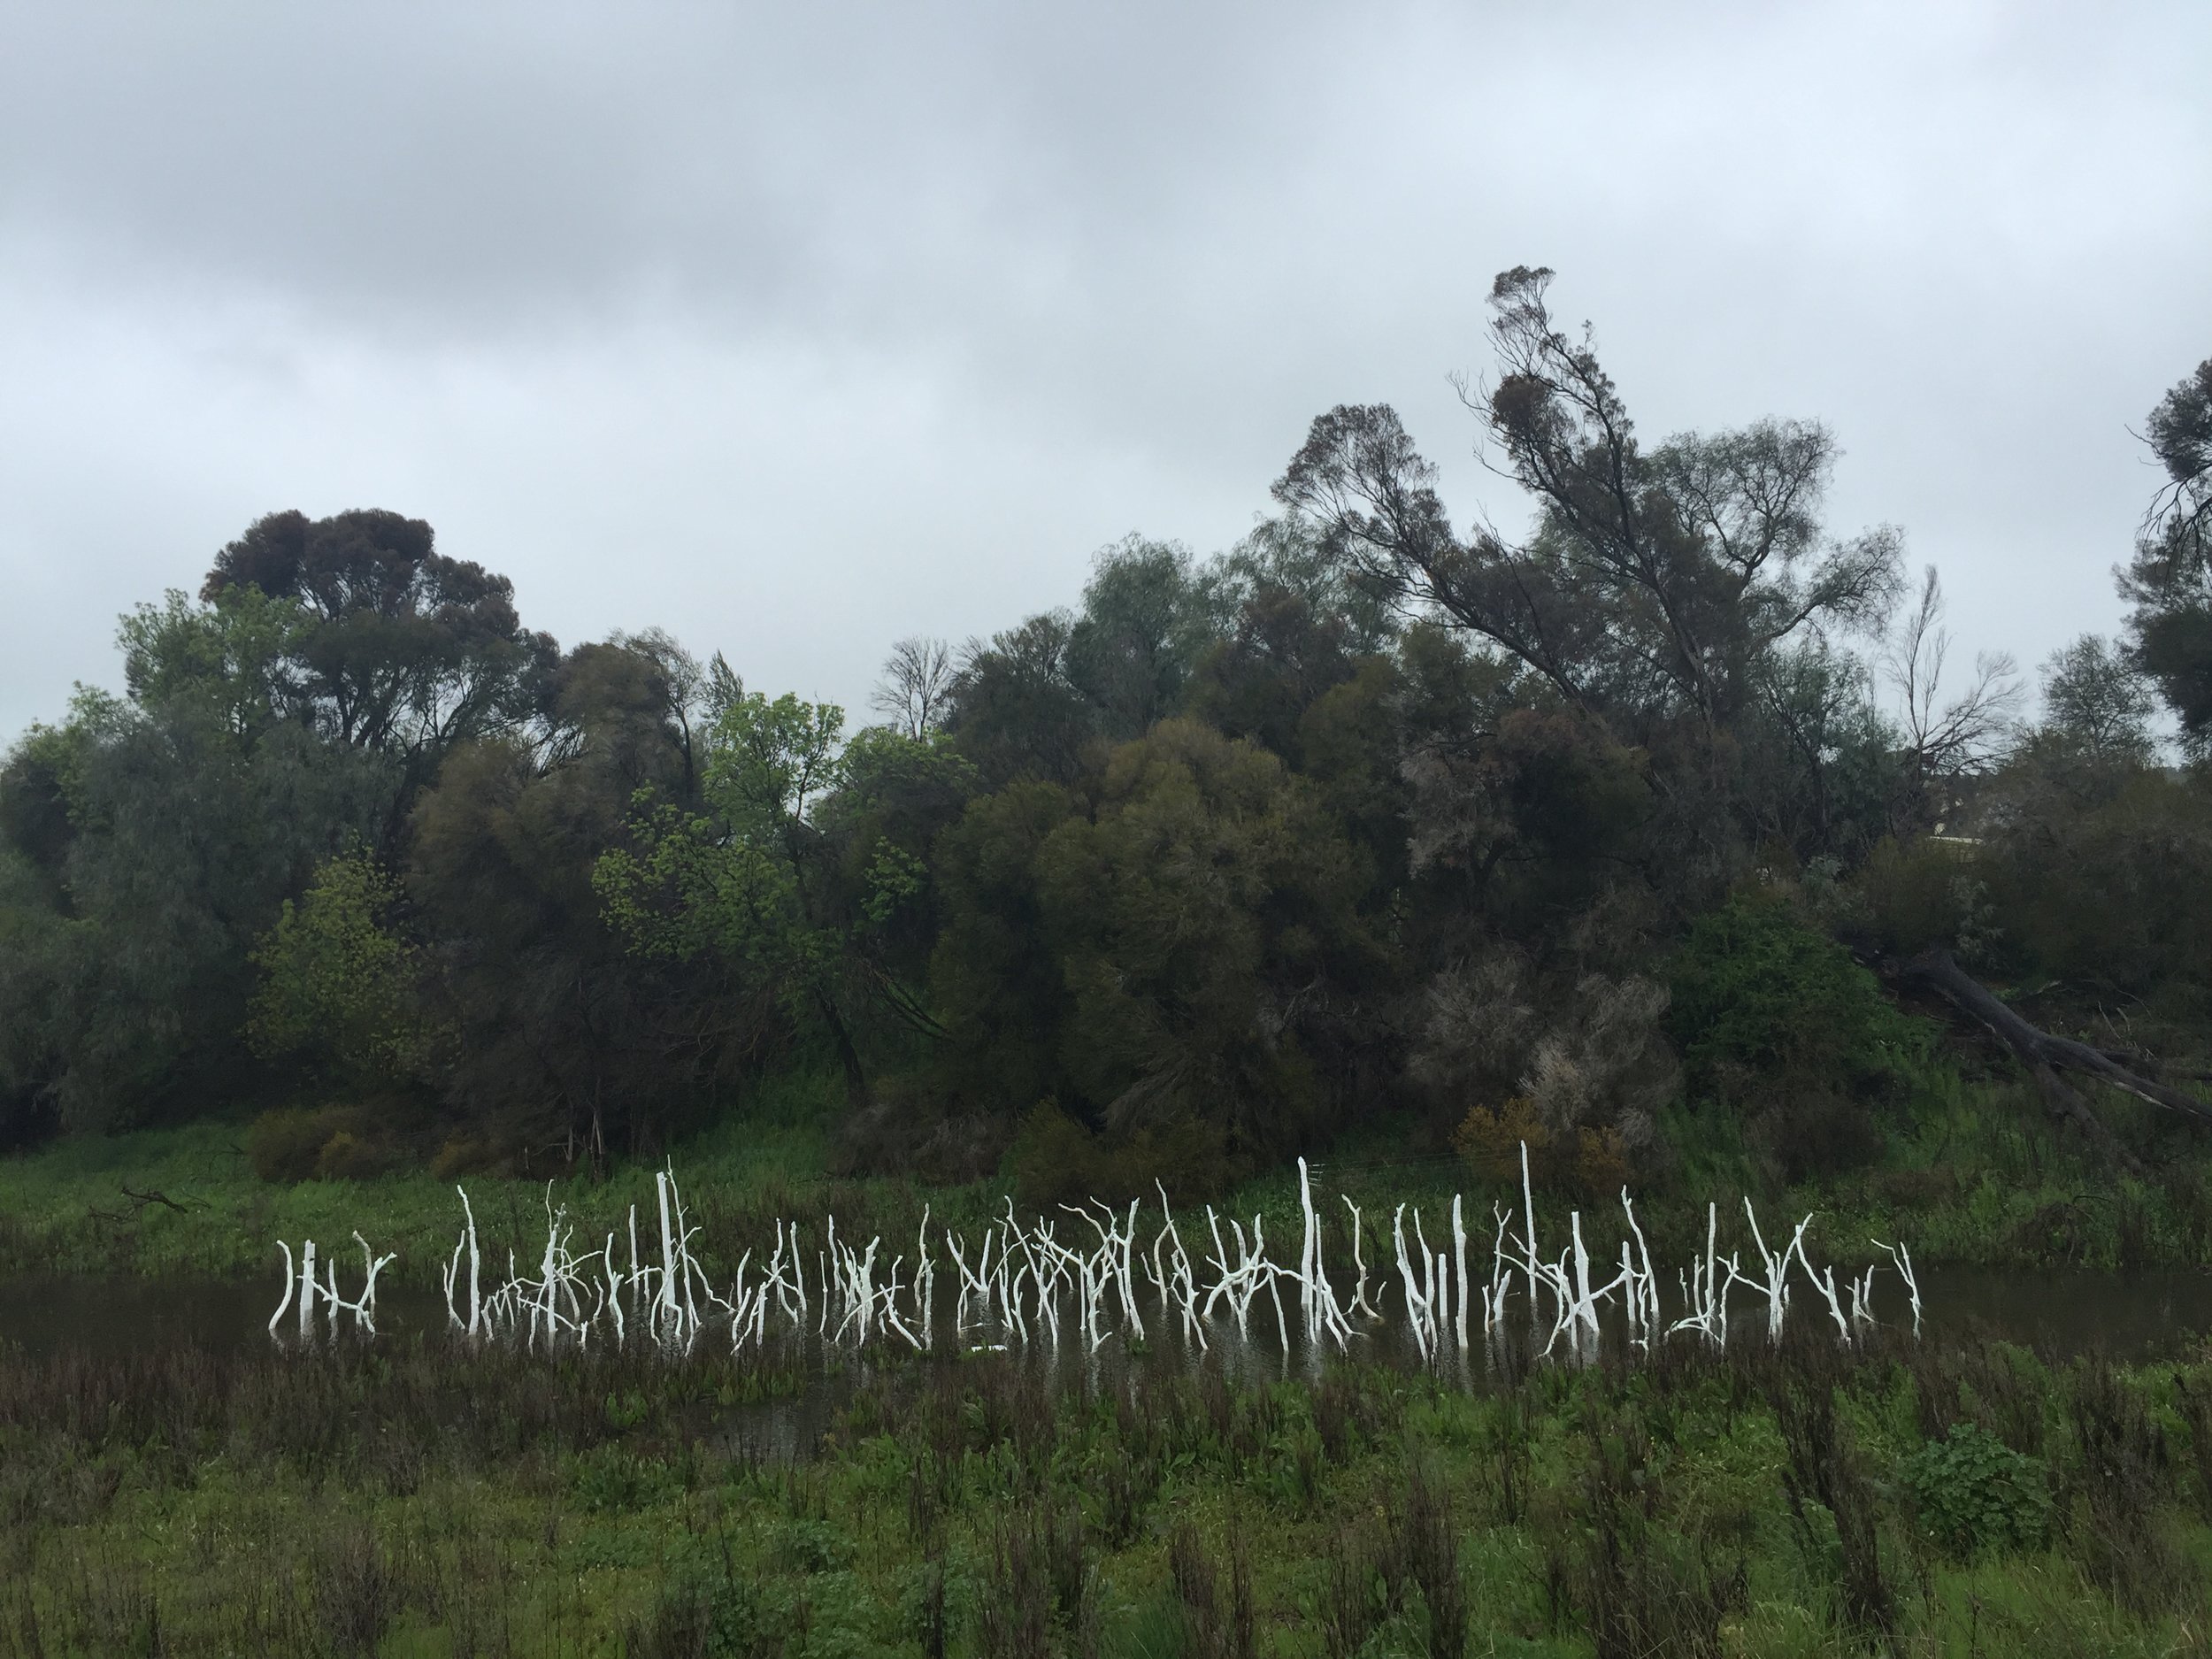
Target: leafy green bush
x=613, y=1477
x=1975, y=1493
x=808, y=1543
x=1166, y=947
x=1913, y=894
x=346, y=1156
x=1757, y=990
x=704, y=1613
x=1776, y=1021
x=333, y=1143
x=1056, y=1160
x=336, y=981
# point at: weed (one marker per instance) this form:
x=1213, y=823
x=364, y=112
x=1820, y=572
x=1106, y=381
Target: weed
x=2119, y=1534
x=1973, y=1492
x=1823, y=1469
x=1220, y=1618
x=424, y=1495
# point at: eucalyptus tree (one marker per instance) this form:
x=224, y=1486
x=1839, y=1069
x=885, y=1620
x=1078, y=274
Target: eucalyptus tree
x=2169, y=583
x=1660, y=593
x=1655, y=578
x=1045, y=699
x=1015, y=711
x=1291, y=624
x=167, y=826
x=2097, y=699
x=399, y=649
x=1143, y=623
x=553, y=1023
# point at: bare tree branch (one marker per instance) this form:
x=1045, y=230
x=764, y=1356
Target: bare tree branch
x=915, y=692
x=1948, y=740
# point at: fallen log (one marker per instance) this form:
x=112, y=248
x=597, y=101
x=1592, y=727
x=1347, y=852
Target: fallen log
x=2046, y=1054
x=139, y=1201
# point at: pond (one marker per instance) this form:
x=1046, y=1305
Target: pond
x=2135, y=1316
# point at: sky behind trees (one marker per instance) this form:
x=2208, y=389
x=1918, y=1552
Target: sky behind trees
x=799, y=331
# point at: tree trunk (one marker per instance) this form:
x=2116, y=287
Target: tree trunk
x=856, y=1077
x=2046, y=1056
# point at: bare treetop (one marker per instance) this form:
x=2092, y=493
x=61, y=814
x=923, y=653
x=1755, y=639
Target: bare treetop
x=914, y=693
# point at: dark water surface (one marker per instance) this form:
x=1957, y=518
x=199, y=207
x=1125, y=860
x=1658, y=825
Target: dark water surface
x=2135, y=1316
x=2069, y=1310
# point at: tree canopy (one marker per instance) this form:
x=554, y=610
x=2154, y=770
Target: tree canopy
x=1543, y=833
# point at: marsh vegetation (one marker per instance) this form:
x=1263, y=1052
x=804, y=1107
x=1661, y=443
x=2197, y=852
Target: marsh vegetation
x=418, y=1496
x=1660, y=844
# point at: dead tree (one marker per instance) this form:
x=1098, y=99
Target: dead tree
x=2046, y=1056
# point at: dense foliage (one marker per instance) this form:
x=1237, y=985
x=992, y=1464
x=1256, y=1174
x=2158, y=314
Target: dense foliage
x=1542, y=839
x=427, y=1498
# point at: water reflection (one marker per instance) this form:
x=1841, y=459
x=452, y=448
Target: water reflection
x=2133, y=1317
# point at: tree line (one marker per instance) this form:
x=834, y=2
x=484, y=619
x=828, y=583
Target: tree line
x=1536, y=833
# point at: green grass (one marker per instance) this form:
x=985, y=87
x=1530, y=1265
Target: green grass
x=1972, y=1173
x=424, y=1500
x=66, y=1207
x=416, y=1499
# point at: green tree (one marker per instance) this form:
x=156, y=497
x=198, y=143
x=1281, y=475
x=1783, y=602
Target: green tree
x=1015, y=711
x=1293, y=625
x=758, y=877
x=1043, y=699
x=1190, y=938
x=557, y=1025
x=166, y=828
x=1144, y=622
x=2169, y=584
x=2094, y=699
x=1657, y=576
x=398, y=649
x=338, y=979
x=994, y=973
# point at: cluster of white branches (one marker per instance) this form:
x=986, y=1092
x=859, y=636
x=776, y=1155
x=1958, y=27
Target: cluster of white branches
x=1024, y=1283
x=301, y=1282
x=1575, y=1299
x=669, y=1297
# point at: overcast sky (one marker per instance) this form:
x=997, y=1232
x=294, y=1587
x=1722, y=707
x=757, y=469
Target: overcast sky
x=798, y=329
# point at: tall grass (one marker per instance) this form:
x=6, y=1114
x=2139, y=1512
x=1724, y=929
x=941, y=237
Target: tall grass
x=1973, y=1174
x=420, y=1498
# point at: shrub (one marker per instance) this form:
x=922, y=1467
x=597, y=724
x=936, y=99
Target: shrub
x=808, y=1543
x=282, y=1145
x=464, y=1154
x=1586, y=1052
x=334, y=1143
x=1816, y=1131
x=1917, y=893
x=704, y=1613
x=1975, y=1493
x=1756, y=988
x=1490, y=1140
x=1592, y=1163
x=613, y=1477
x=336, y=981
x=1056, y=1160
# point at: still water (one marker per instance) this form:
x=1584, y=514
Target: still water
x=2138, y=1315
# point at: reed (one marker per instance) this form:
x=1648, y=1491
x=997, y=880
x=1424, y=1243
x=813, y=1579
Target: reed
x=419, y=1494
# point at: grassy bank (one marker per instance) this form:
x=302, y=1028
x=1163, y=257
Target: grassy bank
x=1971, y=1172
x=419, y=1500
x=69, y=1207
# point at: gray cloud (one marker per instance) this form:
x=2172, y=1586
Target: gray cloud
x=797, y=329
